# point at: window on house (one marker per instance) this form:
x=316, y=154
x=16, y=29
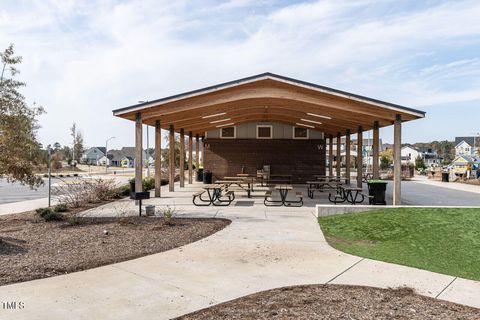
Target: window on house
x=300, y=133
x=228, y=133
x=264, y=132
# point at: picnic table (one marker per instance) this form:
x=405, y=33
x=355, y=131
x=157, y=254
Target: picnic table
x=322, y=183
x=283, y=189
x=348, y=194
x=215, y=195
x=244, y=184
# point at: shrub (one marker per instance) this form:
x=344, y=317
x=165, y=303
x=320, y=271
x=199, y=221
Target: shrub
x=61, y=207
x=48, y=214
x=78, y=192
x=122, y=191
x=148, y=183
x=168, y=213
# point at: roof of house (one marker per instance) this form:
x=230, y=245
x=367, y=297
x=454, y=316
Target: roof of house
x=102, y=149
x=268, y=97
x=469, y=140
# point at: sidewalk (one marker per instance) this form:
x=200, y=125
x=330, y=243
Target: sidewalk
x=263, y=248
x=449, y=185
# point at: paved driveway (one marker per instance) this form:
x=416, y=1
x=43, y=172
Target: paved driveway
x=263, y=248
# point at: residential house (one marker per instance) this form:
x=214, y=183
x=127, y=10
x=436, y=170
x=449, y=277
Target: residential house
x=93, y=155
x=410, y=153
x=466, y=166
x=367, y=150
x=465, y=146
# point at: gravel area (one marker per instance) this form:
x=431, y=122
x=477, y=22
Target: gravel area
x=31, y=248
x=336, y=302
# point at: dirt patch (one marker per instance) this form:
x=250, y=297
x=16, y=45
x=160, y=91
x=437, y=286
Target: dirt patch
x=336, y=302
x=336, y=240
x=31, y=248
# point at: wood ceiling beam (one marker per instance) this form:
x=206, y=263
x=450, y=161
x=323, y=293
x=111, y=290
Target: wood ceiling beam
x=184, y=118
x=267, y=114
x=336, y=104
x=271, y=118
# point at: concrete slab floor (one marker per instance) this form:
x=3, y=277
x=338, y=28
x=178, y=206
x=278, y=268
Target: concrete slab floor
x=263, y=248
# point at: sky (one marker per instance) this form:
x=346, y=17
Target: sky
x=82, y=59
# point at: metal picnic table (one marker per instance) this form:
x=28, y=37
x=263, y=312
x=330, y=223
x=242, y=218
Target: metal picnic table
x=240, y=182
x=348, y=194
x=214, y=192
x=283, y=189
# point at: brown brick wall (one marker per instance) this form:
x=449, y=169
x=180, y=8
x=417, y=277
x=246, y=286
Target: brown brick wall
x=299, y=158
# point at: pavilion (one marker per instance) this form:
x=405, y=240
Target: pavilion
x=273, y=119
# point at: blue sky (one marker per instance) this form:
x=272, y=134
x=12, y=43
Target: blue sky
x=84, y=58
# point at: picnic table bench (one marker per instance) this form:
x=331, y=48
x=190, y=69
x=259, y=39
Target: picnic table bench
x=348, y=194
x=216, y=196
x=283, y=190
x=243, y=184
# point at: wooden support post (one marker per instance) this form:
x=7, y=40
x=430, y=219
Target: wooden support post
x=182, y=158
x=359, y=157
x=197, y=152
x=158, y=159
x=202, y=160
x=138, y=153
x=330, y=155
x=397, y=160
x=347, y=156
x=339, y=154
x=190, y=160
x=376, y=152
x=171, y=160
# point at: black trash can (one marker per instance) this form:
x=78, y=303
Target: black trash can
x=445, y=177
x=132, y=185
x=376, y=189
x=207, y=177
x=200, y=175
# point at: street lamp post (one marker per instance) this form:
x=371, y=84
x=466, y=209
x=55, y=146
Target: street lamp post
x=106, y=153
x=49, y=175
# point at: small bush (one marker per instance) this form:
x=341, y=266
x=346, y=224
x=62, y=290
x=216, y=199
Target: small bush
x=122, y=191
x=73, y=220
x=148, y=183
x=61, y=207
x=75, y=174
x=48, y=214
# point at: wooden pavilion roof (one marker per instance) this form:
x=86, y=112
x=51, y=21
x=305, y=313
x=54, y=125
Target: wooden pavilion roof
x=268, y=97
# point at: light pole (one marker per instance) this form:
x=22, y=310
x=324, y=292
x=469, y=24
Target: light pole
x=49, y=175
x=106, y=153
x=475, y=137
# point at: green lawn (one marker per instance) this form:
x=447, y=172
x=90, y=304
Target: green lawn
x=440, y=240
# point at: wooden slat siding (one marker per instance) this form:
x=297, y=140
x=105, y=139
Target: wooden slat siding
x=299, y=158
x=359, y=157
x=376, y=152
x=339, y=154
x=138, y=154
x=182, y=158
x=238, y=113
x=190, y=156
x=158, y=159
x=397, y=160
x=171, y=160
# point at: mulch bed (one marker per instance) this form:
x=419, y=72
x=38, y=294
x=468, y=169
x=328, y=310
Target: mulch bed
x=31, y=248
x=336, y=302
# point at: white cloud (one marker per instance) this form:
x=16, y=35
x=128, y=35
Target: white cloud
x=84, y=58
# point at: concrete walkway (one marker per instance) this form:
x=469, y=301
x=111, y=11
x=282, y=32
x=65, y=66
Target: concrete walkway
x=263, y=248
